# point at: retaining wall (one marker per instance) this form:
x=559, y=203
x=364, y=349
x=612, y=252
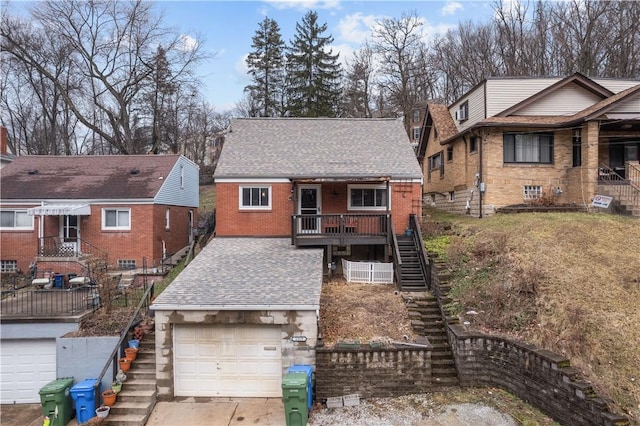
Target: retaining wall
x=372, y=372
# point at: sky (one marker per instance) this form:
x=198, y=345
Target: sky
x=227, y=28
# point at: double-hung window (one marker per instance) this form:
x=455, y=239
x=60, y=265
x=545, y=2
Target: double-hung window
x=255, y=198
x=366, y=197
x=15, y=220
x=116, y=219
x=528, y=148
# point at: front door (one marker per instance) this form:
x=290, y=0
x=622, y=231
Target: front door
x=309, y=206
x=69, y=235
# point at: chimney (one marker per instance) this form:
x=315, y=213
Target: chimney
x=3, y=140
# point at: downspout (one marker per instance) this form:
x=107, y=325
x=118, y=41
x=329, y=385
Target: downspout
x=480, y=180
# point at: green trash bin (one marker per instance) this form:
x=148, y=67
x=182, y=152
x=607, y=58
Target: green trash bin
x=56, y=401
x=294, y=394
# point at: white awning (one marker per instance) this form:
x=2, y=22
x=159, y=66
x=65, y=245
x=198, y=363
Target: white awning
x=60, y=209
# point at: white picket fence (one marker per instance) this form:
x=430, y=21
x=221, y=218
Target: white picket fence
x=367, y=272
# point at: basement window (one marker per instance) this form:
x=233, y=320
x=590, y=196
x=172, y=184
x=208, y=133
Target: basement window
x=8, y=266
x=126, y=264
x=531, y=192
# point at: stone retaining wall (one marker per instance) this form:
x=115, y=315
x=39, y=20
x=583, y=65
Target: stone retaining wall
x=372, y=372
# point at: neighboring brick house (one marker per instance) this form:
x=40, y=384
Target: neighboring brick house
x=292, y=194
x=131, y=208
x=510, y=141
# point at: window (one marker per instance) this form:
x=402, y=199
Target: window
x=116, y=219
x=255, y=197
x=577, y=148
x=8, y=265
x=167, y=216
x=473, y=143
x=181, y=176
x=528, y=148
x=363, y=197
x=449, y=153
x=435, y=163
x=462, y=114
x=416, y=115
x=416, y=133
x=531, y=192
x=126, y=264
x=15, y=219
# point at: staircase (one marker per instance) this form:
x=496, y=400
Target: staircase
x=138, y=396
x=412, y=276
x=426, y=320
x=629, y=204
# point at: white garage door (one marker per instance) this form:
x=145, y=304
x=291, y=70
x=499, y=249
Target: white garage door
x=25, y=367
x=238, y=361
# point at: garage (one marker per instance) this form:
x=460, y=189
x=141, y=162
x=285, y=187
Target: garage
x=26, y=366
x=230, y=361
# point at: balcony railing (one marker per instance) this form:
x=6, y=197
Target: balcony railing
x=340, y=229
x=57, y=247
x=49, y=303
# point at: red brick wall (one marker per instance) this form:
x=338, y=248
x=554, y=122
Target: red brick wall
x=136, y=244
x=231, y=221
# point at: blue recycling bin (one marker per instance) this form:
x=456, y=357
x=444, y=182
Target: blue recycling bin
x=59, y=280
x=308, y=370
x=85, y=399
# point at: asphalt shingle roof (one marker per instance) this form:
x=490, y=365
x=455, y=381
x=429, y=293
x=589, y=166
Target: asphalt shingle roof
x=247, y=274
x=85, y=177
x=318, y=148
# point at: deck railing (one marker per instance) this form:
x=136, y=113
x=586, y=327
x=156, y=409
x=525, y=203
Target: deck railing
x=49, y=303
x=341, y=227
x=56, y=247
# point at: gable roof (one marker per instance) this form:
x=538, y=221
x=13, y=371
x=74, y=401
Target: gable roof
x=576, y=78
x=297, y=148
x=438, y=116
x=555, y=121
x=35, y=177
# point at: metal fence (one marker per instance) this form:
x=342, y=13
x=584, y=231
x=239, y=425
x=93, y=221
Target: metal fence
x=50, y=303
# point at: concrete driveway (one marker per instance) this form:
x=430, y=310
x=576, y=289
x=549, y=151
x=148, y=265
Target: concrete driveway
x=182, y=411
x=218, y=412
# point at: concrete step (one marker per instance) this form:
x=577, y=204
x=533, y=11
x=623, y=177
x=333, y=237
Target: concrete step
x=126, y=420
x=143, y=408
x=445, y=381
x=140, y=384
x=136, y=395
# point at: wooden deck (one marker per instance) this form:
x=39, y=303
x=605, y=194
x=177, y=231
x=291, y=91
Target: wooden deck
x=340, y=229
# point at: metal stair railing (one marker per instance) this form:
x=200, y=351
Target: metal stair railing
x=626, y=189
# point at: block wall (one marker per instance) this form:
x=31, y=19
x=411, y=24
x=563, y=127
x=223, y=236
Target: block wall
x=372, y=372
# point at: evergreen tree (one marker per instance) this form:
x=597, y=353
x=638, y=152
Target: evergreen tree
x=313, y=71
x=266, y=67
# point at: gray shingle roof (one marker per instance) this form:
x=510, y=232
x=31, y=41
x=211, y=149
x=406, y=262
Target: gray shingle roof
x=317, y=147
x=247, y=274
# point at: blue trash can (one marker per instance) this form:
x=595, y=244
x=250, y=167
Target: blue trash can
x=59, y=280
x=308, y=370
x=85, y=399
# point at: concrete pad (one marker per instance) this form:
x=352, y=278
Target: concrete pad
x=21, y=415
x=218, y=412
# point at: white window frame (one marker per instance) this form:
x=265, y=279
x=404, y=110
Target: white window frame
x=117, y=227
x=531, y=192
x=7, y=266
x=167, y=219
x=181, y=176
x=241, y=188
x=416, y=133
x=350, y=206
x=16, y=212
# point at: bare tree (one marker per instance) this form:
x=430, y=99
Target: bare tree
x=111, y=47
x=358, y=85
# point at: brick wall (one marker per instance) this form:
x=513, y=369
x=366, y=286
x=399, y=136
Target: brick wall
x=372, y=372
x=406, y=199
x=136, y=244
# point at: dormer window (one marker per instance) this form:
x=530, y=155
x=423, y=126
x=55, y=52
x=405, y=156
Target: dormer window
x=462, y=114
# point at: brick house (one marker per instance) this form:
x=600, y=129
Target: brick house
x=131, y=209
x=292, y=196
x=511, y=141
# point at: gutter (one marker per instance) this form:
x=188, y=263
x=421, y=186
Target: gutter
x=177, y=307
